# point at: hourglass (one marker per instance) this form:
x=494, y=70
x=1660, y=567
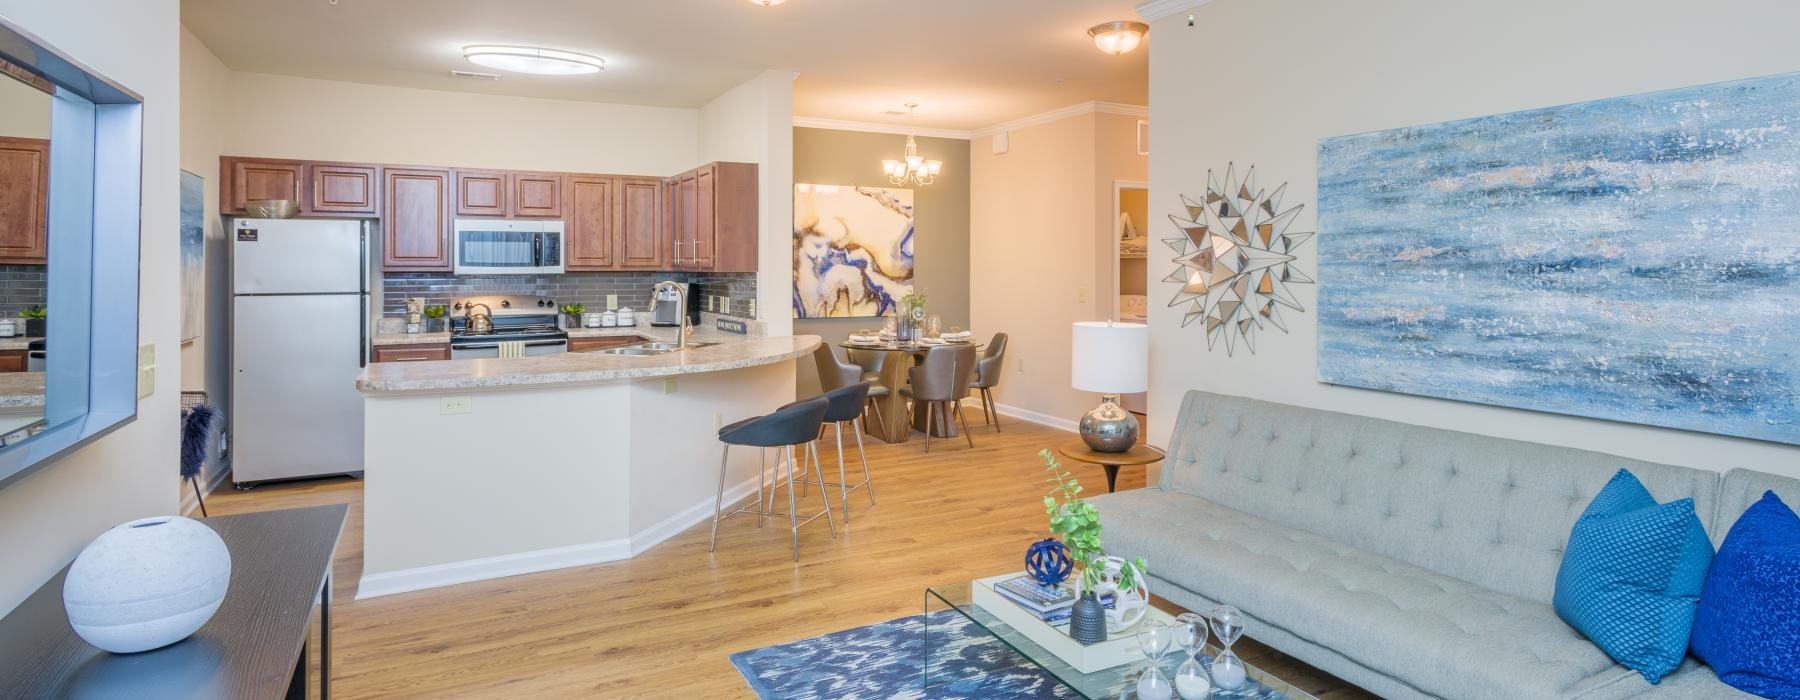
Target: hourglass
x=1227, y=670
x=1191, y=682
x=1153, y=637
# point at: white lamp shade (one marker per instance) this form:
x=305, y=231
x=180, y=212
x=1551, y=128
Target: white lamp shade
x=1110, y=358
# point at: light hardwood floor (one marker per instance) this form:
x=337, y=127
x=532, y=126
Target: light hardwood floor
x=663, y=624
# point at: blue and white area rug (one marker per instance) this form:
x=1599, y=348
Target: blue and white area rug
x=883, y=662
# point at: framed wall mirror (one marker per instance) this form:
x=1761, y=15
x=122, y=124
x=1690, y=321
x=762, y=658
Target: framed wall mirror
x=70, y=171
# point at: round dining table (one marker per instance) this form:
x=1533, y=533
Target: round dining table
x=895, y=425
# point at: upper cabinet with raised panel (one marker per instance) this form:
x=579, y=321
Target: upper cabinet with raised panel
x=321, y=188
x=640, y=227
x=263, y=179
x=536, y=194
x=614, y=223
x=480, y=193
x=416, y=219
x=590, y=238
x=24, y=199
x=713, y=218
x=342, y=189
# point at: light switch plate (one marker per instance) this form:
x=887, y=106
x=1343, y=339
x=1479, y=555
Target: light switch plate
x=455, y=405
x=669, y=385
x=146, y=369
x=612, y=302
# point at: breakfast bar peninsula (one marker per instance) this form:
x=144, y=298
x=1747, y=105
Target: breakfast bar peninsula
x=482, y=468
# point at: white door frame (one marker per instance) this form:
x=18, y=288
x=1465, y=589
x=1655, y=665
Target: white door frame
x=1117, y=231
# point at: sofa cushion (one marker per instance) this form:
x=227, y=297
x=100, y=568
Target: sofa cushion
x=1745, y=626
x=1443, y=636
x=1482, y=509
x=1631, y=578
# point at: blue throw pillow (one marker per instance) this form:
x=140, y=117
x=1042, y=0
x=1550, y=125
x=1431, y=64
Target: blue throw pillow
x=1746, y=628
x=1631, y=576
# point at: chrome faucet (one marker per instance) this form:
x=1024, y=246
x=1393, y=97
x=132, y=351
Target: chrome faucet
x=681, y=310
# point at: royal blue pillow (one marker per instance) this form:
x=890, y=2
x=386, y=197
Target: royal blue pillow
x=1631, y=576
x=1746, y=627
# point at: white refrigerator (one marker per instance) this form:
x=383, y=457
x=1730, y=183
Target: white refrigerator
x=299, y=337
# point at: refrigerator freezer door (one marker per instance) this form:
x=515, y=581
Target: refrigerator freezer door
x=297, y=256
x=295, y=408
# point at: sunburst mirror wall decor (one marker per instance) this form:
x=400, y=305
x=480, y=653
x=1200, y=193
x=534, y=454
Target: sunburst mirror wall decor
x=1236, y=260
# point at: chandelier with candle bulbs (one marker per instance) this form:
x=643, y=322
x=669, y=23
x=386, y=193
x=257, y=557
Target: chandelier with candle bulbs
x=913, y=168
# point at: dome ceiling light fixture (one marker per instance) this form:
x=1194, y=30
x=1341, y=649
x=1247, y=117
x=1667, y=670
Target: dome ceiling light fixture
x=911, y=167
x=1118, y=37
x=767, y=3
x=531, y=59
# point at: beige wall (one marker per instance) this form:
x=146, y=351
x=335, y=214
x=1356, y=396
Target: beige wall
x=24, y=111
x=48, y=516
x=753, y=123
x=205, y=108
x=941, y=221
x=285, y=117
x=1328, y=69
x=1041, y=249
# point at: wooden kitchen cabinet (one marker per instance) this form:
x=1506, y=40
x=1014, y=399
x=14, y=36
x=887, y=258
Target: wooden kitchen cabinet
x=713, y=218
x=480, y=193
x=535, y=195
x=24, y=201
x=249, y=179
x=589, y=235
x=416, y=219
x=412, y=353
x=338, y=188
x=639, y=224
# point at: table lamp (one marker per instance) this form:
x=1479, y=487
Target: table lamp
x=1111, y=359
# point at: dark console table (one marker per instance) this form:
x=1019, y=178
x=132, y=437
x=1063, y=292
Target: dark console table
x=256, y=646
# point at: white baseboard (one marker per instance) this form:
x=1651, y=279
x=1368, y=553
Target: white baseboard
x=190, y=504
x=468, y=571
x=1045, y=419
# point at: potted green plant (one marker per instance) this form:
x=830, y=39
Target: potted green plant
x=912, y=313
x=1078, y=524
x=35, y=316
x=574, y=311
x=435, y=312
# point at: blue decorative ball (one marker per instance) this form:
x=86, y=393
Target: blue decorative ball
x=1048, y=562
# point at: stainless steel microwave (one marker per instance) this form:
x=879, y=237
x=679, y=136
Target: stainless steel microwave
x=508, y=247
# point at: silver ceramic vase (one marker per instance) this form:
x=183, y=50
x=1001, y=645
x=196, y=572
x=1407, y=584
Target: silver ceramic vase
x=1109, y=427
x=1087, y=620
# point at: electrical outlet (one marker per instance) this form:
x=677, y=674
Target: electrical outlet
x=455, y=405
x=668, y=385
x=752, y=308
x=146, y=370
x=718, y=421
x=1020, y=364
x=612, y=302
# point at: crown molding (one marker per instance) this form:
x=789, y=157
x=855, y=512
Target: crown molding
x=877, y=128
x=1158, y=9
x=1093, y=107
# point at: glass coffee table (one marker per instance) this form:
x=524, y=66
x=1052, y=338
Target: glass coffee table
x=1118, y=682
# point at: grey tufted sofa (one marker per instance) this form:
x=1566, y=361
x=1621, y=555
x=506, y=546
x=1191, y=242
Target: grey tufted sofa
x=1411, y=561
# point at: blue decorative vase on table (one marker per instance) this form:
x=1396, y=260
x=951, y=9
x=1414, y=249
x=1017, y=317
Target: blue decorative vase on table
x=1048, y=562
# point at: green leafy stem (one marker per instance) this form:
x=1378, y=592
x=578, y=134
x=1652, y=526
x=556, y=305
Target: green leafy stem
x=1078, y=524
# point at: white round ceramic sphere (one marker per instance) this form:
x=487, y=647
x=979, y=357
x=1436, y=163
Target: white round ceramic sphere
x=146, y=584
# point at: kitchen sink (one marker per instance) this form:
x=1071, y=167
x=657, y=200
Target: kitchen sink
x=651, y=348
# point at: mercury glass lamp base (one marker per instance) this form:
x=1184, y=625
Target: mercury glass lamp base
x=1109, y=428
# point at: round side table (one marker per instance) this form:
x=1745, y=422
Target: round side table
x=1139, y=455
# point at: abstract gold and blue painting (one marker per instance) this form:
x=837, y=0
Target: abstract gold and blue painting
x=853, y=250
x=1633, y=259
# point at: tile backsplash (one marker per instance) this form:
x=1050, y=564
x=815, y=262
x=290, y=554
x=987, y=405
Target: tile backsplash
x=22, y=286
x=586, y=288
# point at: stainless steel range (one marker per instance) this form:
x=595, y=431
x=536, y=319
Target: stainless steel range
x=489, y=326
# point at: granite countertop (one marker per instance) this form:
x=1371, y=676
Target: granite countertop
x=17, y=342
x=731, y=352
x=21, y=390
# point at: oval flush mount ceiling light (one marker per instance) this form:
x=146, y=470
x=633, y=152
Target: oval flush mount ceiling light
x=1118, y=37
x=528, y=59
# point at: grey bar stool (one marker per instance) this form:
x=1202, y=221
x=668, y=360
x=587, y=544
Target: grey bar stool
x=846, y=407
x=987, y=376
x=942, y=382
x=795, y=424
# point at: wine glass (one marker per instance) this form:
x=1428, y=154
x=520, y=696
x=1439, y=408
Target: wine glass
x=933, y=326
x=1191, y=681
x=1154, y=637
x=887, y=325
x=1228, y=670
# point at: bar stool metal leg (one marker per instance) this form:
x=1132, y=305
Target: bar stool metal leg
x=793, y=504
x=843, y=480
x=719, y=501
x=824, y=496
x=868, y=481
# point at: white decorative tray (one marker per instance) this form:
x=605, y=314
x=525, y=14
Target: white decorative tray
x=1119, y=648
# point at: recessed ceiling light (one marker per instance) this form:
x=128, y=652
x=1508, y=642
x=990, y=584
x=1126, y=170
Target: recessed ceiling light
x=767, y=3
x=529, y=59
x=1118, y=37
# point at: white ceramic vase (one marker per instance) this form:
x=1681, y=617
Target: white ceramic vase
x=1129, y=606
x=146, y=584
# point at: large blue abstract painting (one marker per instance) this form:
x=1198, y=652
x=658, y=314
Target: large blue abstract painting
x=1634, y=259
x=853, y=250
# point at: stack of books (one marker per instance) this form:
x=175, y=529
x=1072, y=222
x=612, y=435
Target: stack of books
x=1051, y=605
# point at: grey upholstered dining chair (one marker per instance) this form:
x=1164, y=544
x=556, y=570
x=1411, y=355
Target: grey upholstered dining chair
x=942, y=382
x=837, y=374
x=987, y=376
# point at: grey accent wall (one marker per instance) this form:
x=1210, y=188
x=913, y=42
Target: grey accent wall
x=21, y=286
x=941, y=223
x=586, y=288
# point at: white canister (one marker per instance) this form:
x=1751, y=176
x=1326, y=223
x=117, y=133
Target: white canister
x=625, y=316
x=590, y=320
x=609, y=319
x=8, y=329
